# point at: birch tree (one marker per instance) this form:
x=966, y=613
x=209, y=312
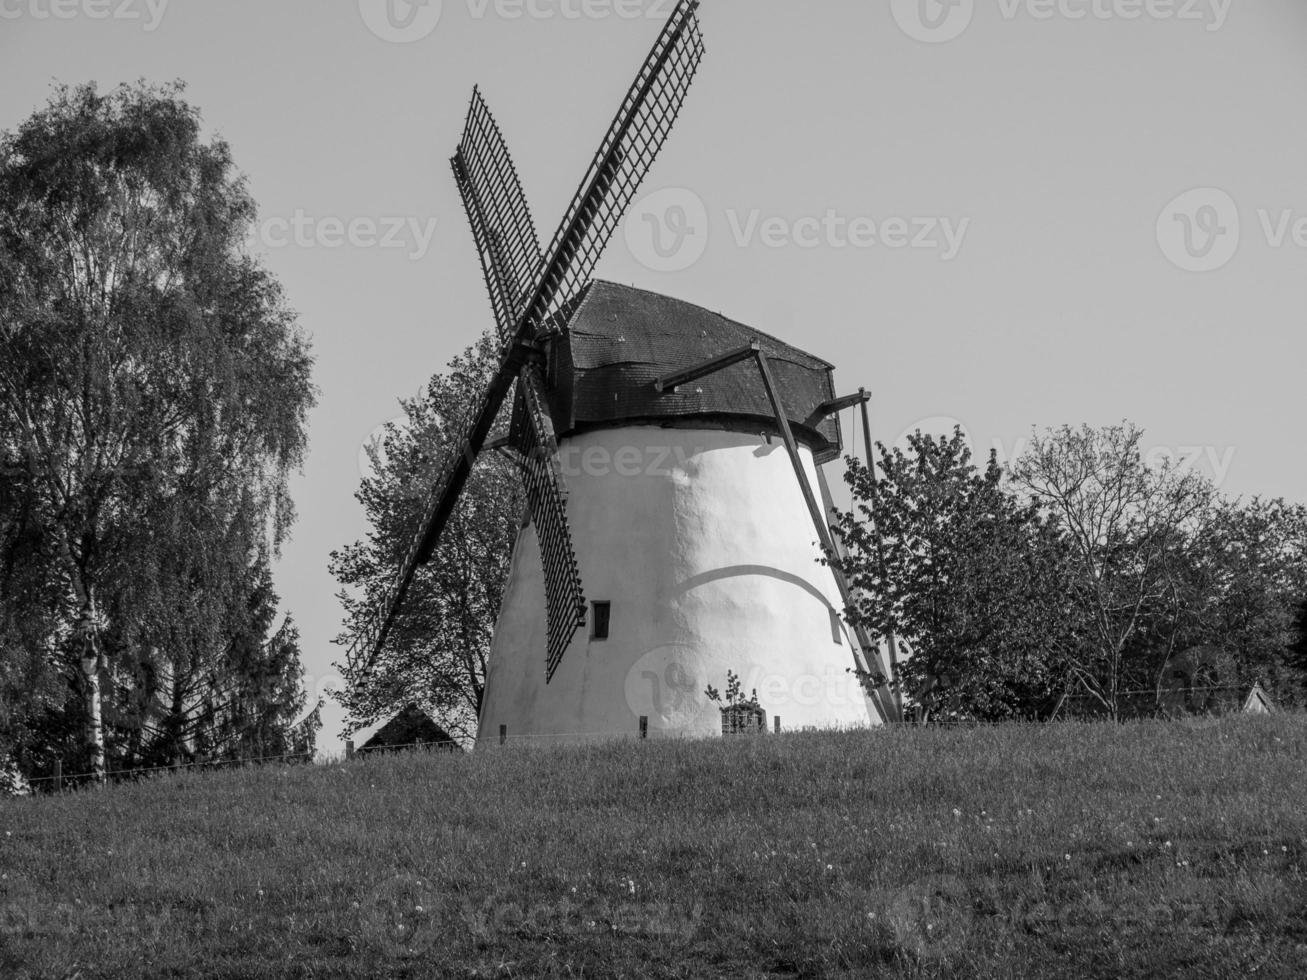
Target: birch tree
x=148, y=368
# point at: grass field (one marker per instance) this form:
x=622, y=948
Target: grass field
x=1073, y=851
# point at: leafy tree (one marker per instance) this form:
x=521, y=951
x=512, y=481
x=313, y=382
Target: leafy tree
x=972, y=579
x=1129, y=528
x=1251, y=568
x=437, y=651
x=1298, y=652
x=153, y=391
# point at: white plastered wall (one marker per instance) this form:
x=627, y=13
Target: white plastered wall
x=702, y=542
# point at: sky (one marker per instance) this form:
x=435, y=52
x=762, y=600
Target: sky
x=1003, y=214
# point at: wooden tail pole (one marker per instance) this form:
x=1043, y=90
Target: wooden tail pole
x=890, y=639
x=882, y=698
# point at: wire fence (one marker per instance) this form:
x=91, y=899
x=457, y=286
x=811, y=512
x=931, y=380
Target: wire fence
x=59, y=779
x=1152, y=703
x=1167, y=701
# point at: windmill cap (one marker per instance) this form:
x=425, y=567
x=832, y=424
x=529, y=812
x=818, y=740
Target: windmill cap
x=619, y=340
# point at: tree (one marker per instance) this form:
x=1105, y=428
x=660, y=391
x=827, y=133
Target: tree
x=260, y=696
x=437, y=650
x=153, y=389
x=1129, y=527
x=938, y=552
x=1298, y=652
x=1246, y=575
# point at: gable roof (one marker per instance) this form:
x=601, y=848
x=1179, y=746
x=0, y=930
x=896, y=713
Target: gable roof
x=410, y=727
x=1258, y=701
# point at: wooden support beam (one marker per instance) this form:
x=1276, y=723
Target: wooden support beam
x=671, y=382
x=883, y=701
x=890, y=639
x=826, y=409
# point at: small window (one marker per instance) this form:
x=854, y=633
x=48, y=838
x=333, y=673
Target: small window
x=599, y=617
x=836, y=628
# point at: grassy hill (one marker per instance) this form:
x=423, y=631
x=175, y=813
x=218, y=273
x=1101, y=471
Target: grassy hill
x=1069, y=851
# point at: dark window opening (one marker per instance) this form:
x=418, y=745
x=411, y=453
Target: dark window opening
x=600, y=615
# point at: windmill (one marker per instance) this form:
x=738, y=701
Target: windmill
x=593, y=369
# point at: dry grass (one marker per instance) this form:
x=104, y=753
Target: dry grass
x=1069, y=851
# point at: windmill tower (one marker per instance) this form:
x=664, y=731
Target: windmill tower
x=672, y=465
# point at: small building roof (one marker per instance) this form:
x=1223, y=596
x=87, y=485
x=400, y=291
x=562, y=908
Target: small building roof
x=1258, y=701
x=410, y=727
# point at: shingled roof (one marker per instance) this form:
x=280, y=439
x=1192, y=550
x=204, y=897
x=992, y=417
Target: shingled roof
x=409, y=728
x=619, y=339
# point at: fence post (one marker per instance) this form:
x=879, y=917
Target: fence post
x=349, y=750
x=644, y=726
x=58, y=775
x=503, y=734
x=777, y=723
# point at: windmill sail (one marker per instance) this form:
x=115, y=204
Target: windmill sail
x=533, y=434
x=619, y=167
x=510, y=257
x=455, y=468
x=505, y=235
x=506, y=238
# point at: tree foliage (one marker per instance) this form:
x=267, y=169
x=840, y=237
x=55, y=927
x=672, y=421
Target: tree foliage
x=939, y=553
x=1084, y=572
x=154, y=390
x=1130, y=528
x=437, y=651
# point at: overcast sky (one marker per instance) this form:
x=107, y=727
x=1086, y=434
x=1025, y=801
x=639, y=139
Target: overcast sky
x=1008, y=213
